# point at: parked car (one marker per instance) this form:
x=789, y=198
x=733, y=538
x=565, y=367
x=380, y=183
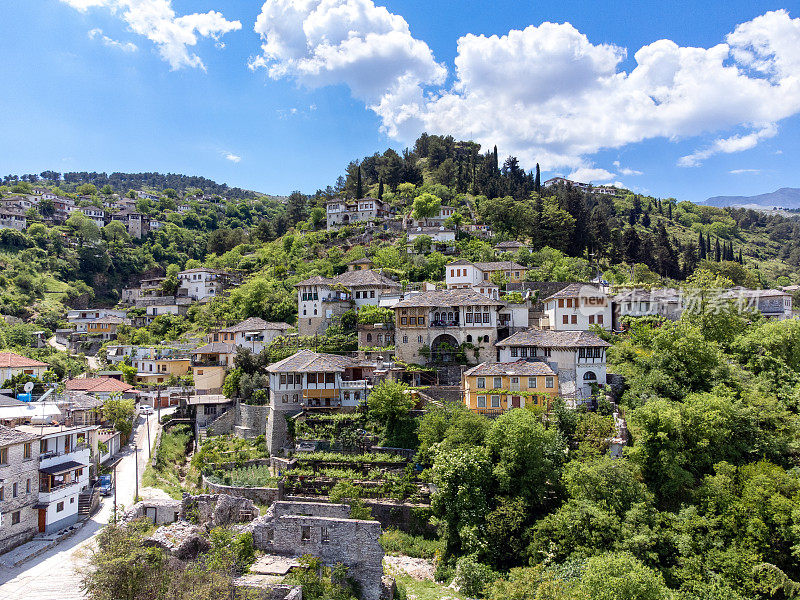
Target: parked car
x=147, y=410
x=106, y=485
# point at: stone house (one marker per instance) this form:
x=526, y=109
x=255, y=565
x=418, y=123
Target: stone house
x=344, y=212
x=12, y=364
x=325, y=531
x=577, y=307
x=202, y=284
x=579, y=357
x=462, y=274
x=19, y=487
x=441, y=321
x=254, y=334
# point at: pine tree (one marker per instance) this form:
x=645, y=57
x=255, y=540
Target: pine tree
x=359, y=189
x=717, y=251
x=646, y=220
x=380, y=189
x=496, y=164
x=669, y=210
x=702, y=246
x=741, y=262
x=537, y=182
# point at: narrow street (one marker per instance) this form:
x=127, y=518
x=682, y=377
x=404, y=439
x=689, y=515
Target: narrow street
x=52, y=575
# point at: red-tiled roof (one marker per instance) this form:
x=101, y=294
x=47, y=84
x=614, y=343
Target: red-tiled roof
x=13, y=360
x=98, y=384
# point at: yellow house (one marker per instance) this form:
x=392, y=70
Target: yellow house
x=154, y=371
x=104, y=326
x=498, y=387
x=210, y=363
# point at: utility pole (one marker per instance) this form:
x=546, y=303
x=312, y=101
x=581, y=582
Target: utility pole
x=136, y=466
x=149, y=445
x=114, y=483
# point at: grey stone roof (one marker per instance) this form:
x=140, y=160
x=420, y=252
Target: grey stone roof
x=255, y=324
x=217, y=348
x=457, y=297
x=546, y=338
x=502, y=265
x=78, y=400
x=511, y=244
x=573, y=290
x=368, y=277
x=316, y=280
x=520, y=367
x=361, y=261
x=9, y=435
x=308, y=361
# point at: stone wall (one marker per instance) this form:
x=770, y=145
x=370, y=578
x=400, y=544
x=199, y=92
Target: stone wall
x=19, y=471
x=277, y=430
x=261, y=495
x=221, y=424
x=161, y=512
x=253, y=420
x=325, y=531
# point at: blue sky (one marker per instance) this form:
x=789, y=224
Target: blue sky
x=113, y=85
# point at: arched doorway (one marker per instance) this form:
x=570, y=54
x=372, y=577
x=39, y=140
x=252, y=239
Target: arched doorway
x=589, y=378
x=443, y=349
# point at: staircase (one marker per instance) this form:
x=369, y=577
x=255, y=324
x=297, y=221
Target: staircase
x=88, y=501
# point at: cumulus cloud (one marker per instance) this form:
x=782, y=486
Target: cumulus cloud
x=626, y=170
x=111, y=43
x=545, y=93
x=590, y=174
x=172, y=35
x=352, y=42
x=735, y=143
x=234, y=158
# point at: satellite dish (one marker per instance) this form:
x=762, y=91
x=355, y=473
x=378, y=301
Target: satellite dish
x=28, y=387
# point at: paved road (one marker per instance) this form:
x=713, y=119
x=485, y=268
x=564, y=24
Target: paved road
x=52, y=576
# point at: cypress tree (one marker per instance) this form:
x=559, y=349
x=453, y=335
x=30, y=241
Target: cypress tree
x=496, y=164
x=717, y=251
x=701, y=244
x=537, y=182
x=359, y=189
x=669, y=210
x=646, y=220
x=380, y=189
x=740, y=257
x=708, y=245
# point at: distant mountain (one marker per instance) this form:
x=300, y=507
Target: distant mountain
x=782, y=198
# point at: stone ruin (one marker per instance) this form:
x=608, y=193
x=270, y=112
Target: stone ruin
x=287, y=530
x=325, y=531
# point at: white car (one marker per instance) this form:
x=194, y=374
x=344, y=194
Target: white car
x=146, y=410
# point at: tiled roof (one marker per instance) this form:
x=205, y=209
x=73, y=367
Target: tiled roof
x=574, y=290
x=458, y=297
x=80, y=401
x=217, y=348
x=98, y=385
x=308, y=361
x=502, y=265
x=520, y=367
x=14, y=360
x=9, y=435
x=511, y=244
x=255, y=324
x=547, y=338
x=365, y=277
x=109, y=319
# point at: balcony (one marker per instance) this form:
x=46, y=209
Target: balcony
x=356, y=384
x=444, y=324
x=53, y=453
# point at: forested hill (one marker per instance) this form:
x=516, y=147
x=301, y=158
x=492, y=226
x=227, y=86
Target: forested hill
x=276, y=242
x=122, y=182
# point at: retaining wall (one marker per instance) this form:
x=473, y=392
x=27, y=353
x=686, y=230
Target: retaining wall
x=261, y=495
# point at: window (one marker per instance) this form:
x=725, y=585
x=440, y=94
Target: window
x=486, y=318
x=565, y=319
x=15, y=518
x=283, y=378
x=412, y=321
x=325, y=538
x=574, y=319
x=523, y=352
x=330, y=377
x=497, y=383
x=4, y=456
x=28, y=486
x=515, y=383
x=560, y=303
x=482, y=383
x=591, y=319
x=2, y=493
x=369, y=337
x=26, y=450
x=468, y=318
x=514, y=352
x=599, y=319
x=403, y=321
x=419, y=339
x=549, y=382
x=295, y=399
x=481, y=401
x=532, y=383
x=312, y=377
x=421, y=320
x=14, y=490
x=372, y=294
x=78, y=473
x=405, y=339
x=305, y=533
x=495, y=401
x=59, y=507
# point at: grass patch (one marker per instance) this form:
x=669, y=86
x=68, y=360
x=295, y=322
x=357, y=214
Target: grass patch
x=424, y=590
x=398, y=542
x=170, y=460
x=253, y=476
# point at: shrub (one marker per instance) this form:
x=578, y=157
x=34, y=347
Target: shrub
x=474, y=577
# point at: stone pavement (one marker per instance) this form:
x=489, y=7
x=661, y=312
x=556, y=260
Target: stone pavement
x=54, y=574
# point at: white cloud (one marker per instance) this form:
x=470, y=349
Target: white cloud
x=234, y=158
x=590, y=174
x=329, y=42
x=545, y=93
x=735, y=143
x=626, y=170
x=744, y=171
x=157, y=21
x=111, y=43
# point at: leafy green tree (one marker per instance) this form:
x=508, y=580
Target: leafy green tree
x=426, y=205
x=87, y=189
x=120, y=413
x=620, y=575
x=389, y=404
